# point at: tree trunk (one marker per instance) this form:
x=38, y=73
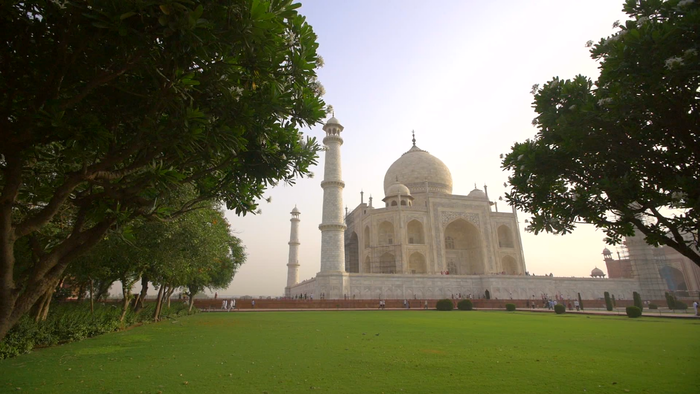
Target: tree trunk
x=92, y=301
x=126, y=292
x=170, y=295
x=159, y=303
x=191, y=301
x=142, y=296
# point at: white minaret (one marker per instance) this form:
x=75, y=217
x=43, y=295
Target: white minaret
x=332, y=226
x=293, y=264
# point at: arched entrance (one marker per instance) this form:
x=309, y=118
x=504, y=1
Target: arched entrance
x=352, y=254
x=509, y=265
x=415, y=232
x=674, y=278
x=416, y=263
x=463, y=247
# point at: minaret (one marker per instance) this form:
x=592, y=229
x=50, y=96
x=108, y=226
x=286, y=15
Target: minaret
x=293, y=264
x=332, y=226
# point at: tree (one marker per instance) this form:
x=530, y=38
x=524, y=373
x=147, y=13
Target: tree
x=106, y=106
x=608, y=301
x=621, y=153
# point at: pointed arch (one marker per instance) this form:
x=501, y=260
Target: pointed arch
x=505, y=237
x=386, y=233
x=416, y=263
x=352, y=254
x=366, y=237
x=674, y=278
x=463, y=247
x=414, y=230
x=509, y=265
x=387, y=263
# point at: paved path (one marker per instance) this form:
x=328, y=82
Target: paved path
x=646, y=312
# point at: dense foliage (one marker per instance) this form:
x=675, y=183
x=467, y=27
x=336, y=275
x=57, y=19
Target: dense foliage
x=653, y=306
x=608, y=301
x=107, y=106
x=680, y=305
x=510, y=307
x=633, y=311
x=465, y=305
x=74, y=322
x=621, y=153
x=559, y=309
x=670, y=300
x=638, y=300
x=444, y=305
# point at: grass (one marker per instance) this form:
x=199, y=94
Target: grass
x=373, y=352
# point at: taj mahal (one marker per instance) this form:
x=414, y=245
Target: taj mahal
x=425, y=242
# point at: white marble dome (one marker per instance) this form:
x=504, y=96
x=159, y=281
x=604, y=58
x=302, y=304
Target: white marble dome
x=416, y=167
x=597, y=272
x=398, y=188
x=477, y=193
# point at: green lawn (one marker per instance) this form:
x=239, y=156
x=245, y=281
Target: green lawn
x=373, y=352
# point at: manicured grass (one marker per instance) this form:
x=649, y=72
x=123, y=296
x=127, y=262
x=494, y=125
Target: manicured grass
x=373, y=352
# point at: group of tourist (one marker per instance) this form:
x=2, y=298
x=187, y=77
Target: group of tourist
x=228, y=306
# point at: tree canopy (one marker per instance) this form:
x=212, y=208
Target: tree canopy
x=622, y=152
x=108, y=105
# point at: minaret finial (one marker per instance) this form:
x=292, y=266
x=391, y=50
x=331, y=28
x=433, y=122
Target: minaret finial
x=414, y=137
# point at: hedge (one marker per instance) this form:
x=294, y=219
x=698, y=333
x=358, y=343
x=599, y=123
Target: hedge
x=559, y=309
x=510, y=307
x=71, y=322
x=444, y=305
x=633, y=311
x=465, y=305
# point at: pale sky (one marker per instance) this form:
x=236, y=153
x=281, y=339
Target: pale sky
x=459, y=73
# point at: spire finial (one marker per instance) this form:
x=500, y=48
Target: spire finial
x=414, y=137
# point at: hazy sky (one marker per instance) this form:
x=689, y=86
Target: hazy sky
x=459, y=73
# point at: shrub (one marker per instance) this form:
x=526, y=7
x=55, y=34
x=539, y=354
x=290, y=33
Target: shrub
x=612, y=297
x=444, y=305
x=637, y=300
x=465, y=305
x=20, y=338
x=653, y=306
x=633, y=311
x=559, y=309
x=608, y=301
x=680, y=305
x=510, y=307
x=69, y=322
x=670, y=301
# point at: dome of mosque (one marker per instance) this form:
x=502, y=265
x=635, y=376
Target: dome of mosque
x=477, y=193
x=597, y=272
x=416, y=167
x=295, y=210
x=333, y=120
x=398, y=188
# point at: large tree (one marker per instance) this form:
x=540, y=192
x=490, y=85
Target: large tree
x=623, y=152
x=107, y=105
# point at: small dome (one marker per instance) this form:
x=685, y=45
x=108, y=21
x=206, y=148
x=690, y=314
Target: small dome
x=332, y=120
x=398, y=188
x=295, y=210
x=597, y=272
x=477, y=193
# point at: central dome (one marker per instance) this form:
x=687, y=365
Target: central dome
x=416, y=167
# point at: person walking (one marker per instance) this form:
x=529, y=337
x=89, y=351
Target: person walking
x=695, y=306
x=224, y=305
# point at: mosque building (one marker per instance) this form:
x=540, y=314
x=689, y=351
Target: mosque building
x=425, y=242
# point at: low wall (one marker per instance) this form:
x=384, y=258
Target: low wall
x=390, y=303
